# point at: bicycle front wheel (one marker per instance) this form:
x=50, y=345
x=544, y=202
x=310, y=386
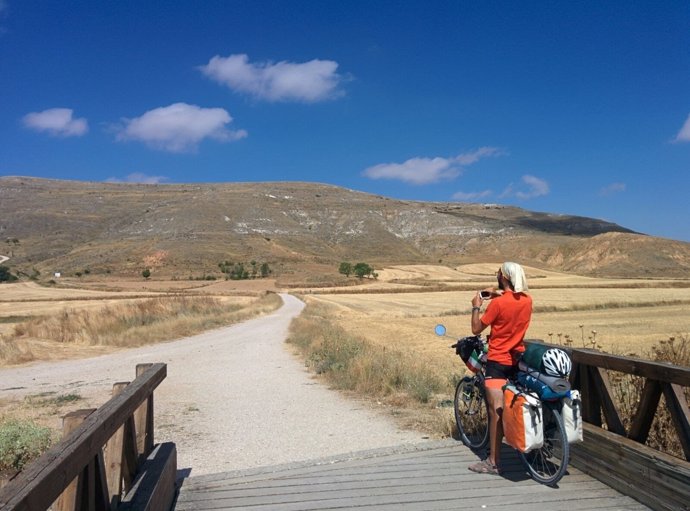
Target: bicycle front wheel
x=472, y=413
x=548, y=464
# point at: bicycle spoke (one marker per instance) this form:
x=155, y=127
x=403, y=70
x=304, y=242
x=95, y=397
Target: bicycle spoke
x=471, y=413
x=548, y=464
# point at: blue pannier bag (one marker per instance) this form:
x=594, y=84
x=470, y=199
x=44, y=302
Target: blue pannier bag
x=540, y=388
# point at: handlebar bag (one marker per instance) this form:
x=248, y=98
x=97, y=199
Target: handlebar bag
x=572, y=416
x=471, y=350
x=522, y=419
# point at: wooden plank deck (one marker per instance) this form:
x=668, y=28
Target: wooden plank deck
x=432, y=476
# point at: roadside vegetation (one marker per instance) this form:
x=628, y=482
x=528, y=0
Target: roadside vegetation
x=388, y=375
x=20, y=442
x=131, y=324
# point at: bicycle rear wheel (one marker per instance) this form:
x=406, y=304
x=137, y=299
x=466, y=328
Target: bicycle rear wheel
x=472, y=413
x=548, y=464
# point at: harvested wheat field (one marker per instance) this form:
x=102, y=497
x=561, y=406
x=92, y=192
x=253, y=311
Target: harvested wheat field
x=48, y=323
x=618, y=316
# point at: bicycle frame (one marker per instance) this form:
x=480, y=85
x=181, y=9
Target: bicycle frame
x=546, y=465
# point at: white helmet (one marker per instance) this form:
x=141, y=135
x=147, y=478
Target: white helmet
x=557, y=363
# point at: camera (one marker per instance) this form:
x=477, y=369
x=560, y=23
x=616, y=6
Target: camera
x=485, y=295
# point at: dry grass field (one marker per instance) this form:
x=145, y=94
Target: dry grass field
x=47, y=323
x=628, y=316
x=381, y=343
x=402, y=306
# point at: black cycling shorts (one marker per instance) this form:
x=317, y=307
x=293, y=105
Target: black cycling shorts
x=496, y=370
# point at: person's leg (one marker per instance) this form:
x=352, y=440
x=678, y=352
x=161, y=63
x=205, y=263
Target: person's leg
x=494, y=396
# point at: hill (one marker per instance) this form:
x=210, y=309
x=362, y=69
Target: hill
x=185, y=229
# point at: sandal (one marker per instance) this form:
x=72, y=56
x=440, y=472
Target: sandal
x=484, y=467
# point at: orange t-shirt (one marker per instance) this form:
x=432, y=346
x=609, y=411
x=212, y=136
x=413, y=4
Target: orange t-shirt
x=509, y=316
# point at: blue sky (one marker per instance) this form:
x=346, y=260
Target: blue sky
x=565, y=107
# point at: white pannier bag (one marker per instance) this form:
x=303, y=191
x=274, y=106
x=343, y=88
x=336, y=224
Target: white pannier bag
x=572, y=416
x=522, y=420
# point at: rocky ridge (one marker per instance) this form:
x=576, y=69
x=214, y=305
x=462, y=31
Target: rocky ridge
x=111, y=227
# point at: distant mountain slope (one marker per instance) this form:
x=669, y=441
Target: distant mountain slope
x=119, y=228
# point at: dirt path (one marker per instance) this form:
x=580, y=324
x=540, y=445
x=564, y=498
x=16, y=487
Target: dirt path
x=234, y=398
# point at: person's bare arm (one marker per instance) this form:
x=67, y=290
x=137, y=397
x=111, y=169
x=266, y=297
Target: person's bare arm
x=477, y=325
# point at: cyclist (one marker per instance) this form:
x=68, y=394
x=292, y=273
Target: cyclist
x=508, y=315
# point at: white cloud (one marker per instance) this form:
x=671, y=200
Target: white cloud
x=421, y=171
x=57, y=122
x=417, y=171
x=308, y=82
x=139, y=177
x=180, y=127
x=684, y=133
x=612, y=189
x=535, y=188
x=475, y=156
x=471, y=196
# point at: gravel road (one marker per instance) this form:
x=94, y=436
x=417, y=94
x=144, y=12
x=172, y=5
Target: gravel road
x=234, y=398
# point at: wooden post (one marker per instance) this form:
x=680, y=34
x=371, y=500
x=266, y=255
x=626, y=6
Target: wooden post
x=602, y=385
x=113, y=458
x=70, y=499
x=95, y=489
x=591, y=402
x=143, y=422
x=130, y=454
x=680, y=414
x=649, y=401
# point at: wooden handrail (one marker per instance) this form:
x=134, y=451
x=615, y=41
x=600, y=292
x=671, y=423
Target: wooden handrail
x=44, y=480
x=660, y=371
x=590, y=375
x=617, y=455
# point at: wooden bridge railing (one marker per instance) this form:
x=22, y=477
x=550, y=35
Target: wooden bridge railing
x=106, y=459
x=619, y=456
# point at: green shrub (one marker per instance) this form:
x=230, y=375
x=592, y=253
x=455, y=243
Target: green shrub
x=5, y=275
x=20, y=442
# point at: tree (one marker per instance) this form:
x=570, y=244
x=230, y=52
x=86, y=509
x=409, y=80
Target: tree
x=238, y=272
x=264, y=270
x=5, y=275
x=146, y=273
x=345, y=268
x=362, y=269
